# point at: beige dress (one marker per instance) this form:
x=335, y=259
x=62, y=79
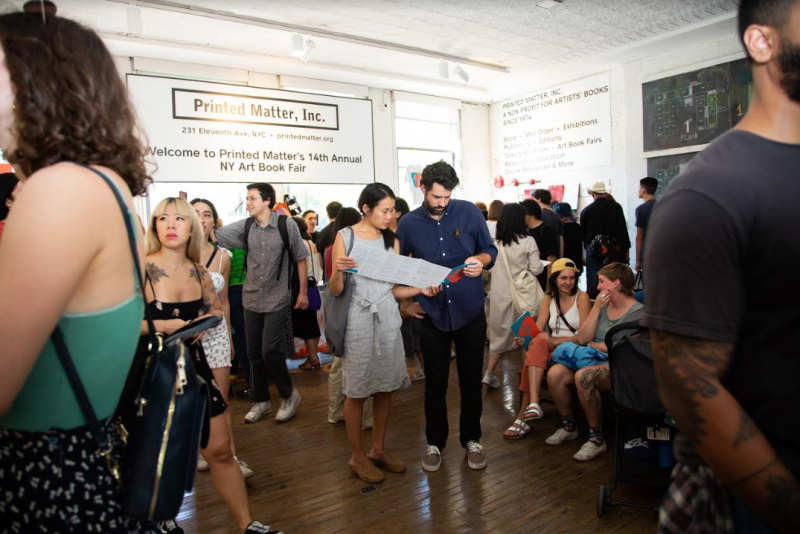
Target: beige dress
x=522, y=255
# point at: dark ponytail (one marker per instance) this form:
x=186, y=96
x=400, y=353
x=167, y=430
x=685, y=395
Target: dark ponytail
x=371, y=196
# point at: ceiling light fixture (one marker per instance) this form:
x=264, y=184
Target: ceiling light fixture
x=547, y=4
x=197, y=11
x=297, y=45
x=444, y=69
x=308, y=49
x=461, y=73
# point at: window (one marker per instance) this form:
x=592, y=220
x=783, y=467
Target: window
x=424, y=134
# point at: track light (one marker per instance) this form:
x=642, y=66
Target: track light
x=444, y=69
x=461, y=73
x=308, y=49
x=297, y=45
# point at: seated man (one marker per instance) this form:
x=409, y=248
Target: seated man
x=584, y=363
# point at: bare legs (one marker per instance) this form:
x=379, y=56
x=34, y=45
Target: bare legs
x=559, y=380
x=590, y=382
x=222, y=377
x=353, y=410
x=225, y=472
x=535, y=375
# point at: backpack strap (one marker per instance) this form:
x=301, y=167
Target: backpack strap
x=248, y=224
x=287, y=249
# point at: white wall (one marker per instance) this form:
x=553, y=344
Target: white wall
x=629, y=161
x=476, y=165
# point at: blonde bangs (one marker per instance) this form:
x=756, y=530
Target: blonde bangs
x=195, y=245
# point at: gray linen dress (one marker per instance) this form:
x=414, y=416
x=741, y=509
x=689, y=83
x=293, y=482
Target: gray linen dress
x=374, y=358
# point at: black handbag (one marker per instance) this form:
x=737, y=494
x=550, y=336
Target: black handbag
x=171, y=417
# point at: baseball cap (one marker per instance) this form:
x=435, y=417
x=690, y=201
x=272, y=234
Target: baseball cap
x=562, y=264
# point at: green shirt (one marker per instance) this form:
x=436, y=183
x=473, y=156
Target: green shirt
x=238, y=274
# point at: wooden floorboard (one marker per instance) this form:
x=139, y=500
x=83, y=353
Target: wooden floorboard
x=302, y=483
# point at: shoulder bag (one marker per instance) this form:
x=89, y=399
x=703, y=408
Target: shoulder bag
x=526, y=293
x=336, y=307
x=170, y=420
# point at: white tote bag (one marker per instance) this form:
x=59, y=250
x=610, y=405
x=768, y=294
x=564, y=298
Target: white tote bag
x=526, y=293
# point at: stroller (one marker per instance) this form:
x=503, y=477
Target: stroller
x=637, y=406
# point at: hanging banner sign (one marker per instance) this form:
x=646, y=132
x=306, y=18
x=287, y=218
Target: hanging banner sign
x=560, y=128
x=209, y=132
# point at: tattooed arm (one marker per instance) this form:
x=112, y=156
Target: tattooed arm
x=689, y=372
x=211, y=304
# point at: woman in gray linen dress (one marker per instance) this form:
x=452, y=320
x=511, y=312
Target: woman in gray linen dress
x=374, y=358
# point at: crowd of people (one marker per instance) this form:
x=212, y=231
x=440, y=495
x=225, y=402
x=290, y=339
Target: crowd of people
x=65, y=120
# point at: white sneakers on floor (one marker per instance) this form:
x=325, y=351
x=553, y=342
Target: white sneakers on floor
x=490, y=380
x=288, y=407
x=590, y=451
x=257, y=411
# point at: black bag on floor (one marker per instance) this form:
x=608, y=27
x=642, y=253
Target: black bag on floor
x=171, y=419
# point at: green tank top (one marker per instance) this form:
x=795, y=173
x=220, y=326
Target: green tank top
x=102, y=344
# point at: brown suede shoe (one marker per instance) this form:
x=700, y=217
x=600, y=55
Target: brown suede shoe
x=366, y=471
x=389, y=462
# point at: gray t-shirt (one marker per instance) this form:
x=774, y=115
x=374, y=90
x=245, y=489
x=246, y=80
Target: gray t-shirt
x=720, y=252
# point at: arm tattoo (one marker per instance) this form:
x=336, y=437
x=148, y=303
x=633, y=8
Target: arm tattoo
x=589, y=380
x=784, y=502
x=206, y=304
x=688, y=370
x=155, y=272
x=753, y=475
x=747, y=428
x=198, y=273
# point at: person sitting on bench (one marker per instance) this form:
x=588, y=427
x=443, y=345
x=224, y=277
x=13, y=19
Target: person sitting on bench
x=584, y=363
x=564, y=309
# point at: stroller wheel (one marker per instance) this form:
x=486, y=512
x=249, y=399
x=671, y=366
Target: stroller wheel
x=601, y=500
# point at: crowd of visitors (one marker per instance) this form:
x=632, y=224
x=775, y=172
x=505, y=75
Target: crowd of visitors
x=67, y=126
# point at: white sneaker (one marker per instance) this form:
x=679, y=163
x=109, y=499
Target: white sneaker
x=288, y=407
x=257, y=411
x=202, y=465
x=590, y=451
x=246, y=471
x=490, y=380
x=432, y=460
x=561, y=436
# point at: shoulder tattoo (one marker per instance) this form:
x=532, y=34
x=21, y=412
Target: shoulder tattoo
x=155, y=272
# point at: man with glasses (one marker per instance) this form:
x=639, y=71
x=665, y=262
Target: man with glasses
x=267, y=296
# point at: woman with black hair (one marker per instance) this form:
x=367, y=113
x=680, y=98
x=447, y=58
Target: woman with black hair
x=304, y=322
x=374, y=359
x=516, y=253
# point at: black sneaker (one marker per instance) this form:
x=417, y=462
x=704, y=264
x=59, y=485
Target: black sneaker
x=257, y=528
x=170, y=527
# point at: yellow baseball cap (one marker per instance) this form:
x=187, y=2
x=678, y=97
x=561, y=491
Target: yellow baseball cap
x=564, y=263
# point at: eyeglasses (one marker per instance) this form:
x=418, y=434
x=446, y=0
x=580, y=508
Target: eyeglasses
x=252, y=199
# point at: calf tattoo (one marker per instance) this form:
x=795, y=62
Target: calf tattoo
x=589, y=380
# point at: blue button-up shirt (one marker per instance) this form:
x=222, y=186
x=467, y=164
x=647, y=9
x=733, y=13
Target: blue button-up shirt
x=461, y=233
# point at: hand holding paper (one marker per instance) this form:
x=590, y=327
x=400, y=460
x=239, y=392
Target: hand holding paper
x=473, y=267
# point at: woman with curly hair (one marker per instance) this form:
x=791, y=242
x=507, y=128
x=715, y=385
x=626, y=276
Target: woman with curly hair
x=64, y=117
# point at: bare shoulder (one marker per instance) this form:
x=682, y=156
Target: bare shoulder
x=81, y=184
x=583, y=298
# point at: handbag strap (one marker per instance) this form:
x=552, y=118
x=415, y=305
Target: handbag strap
x=80, y=393
x=58, y=337
x=508, y=267
x=311, y=253
x=561, y=314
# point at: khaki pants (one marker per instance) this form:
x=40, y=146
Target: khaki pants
x=336, y=397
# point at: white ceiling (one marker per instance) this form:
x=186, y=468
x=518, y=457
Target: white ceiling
x=538, y=46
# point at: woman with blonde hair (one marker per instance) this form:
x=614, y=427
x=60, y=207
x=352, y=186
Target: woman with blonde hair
x=179, y=289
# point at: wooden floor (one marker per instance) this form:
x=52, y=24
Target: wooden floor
x=302, y=483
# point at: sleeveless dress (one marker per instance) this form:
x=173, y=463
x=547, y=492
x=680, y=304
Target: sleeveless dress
x=216, y=342
x=374, y=358
x=187, y=311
